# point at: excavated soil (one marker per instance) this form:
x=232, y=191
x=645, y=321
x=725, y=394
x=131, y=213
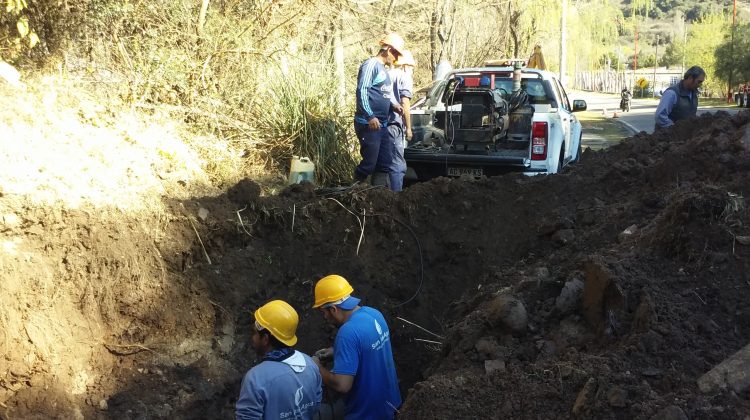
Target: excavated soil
x=603, y=292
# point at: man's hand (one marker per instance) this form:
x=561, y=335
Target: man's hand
x=374, y=124
x=409, y=134
x=324, y=354
x=397, y=108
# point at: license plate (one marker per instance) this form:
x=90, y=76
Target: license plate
x=464, y=171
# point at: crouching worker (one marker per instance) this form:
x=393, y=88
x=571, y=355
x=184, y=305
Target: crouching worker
x=363, y=366
x=286, y=384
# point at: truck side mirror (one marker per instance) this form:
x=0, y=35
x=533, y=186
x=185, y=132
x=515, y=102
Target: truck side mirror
x=579, y=105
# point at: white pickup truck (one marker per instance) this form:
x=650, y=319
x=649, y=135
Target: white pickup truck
x=474, y=122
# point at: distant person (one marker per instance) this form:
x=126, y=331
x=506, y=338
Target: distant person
x=374, y=104
x=363, y=366
x=286, y=384
x=680, y=101
x=625, y=98
x=399, y=126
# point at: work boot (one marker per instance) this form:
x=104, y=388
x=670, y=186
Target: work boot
x=380, y=179
x=357, y=181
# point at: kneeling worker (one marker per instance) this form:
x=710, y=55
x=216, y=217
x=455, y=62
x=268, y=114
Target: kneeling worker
x=286, y=383
x=363, y=366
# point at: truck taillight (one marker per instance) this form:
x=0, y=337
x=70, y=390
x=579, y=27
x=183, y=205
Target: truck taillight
x=539, y=141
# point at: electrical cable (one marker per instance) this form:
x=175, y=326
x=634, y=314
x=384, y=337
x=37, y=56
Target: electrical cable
x=420, y=275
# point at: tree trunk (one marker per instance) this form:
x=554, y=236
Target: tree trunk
x=202, y=18
x=434, y=36
x=338, y=56
x=563, y=41
x=514, y=32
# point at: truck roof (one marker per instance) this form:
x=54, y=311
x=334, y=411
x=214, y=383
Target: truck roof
x=489, y=69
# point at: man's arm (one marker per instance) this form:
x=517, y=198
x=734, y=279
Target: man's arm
x=666, y=104
x=251, y=402
x=363, y=84
x=338, y=383
x=405, y=105
x=406, y=86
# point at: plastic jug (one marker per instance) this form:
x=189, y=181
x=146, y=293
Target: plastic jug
x=301, y=169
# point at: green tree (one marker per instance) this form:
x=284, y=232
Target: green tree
x=593, y=31
x=737, y=59
x=703, y=39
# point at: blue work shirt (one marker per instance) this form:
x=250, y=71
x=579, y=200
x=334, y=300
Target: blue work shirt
x=363, y=349
x=403, y=86
x=374, y=92
x=287, y=389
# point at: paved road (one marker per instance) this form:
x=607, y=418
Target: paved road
x=641, y=115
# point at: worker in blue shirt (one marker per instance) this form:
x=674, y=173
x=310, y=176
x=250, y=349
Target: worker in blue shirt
x=374, y=103
x=286, y=384
x=399, y=124
x=363, y=366
x=680, y=101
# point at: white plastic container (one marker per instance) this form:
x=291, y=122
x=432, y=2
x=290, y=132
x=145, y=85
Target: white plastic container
x=301, y=169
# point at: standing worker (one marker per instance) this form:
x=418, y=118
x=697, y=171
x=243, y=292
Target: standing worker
x=399, y=126
x=680, y=101
x=363, y=366
x=374, y=104
x=286, y=384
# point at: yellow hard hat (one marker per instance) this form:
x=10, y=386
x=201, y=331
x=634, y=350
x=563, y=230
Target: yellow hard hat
x=331, y=288
x=406, y=59
x=280, y=319
x=394, y=40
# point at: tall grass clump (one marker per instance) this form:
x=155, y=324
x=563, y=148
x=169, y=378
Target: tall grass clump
x=305, y=116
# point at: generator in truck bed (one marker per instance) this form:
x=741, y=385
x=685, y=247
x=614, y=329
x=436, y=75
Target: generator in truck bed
x=492, y=120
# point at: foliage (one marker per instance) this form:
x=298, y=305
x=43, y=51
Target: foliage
x=735, y=59
x=306, y=119
x=703, y=39
x=594, y=32
x=16, y=33
x=252, y=73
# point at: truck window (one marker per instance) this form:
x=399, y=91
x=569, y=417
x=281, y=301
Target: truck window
x=535, y=90
x=556, y=88
x=563, y=96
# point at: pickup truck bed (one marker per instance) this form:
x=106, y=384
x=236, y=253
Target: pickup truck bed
x=487, y=132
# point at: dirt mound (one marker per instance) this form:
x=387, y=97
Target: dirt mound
x=646, y=291
x=603, y=292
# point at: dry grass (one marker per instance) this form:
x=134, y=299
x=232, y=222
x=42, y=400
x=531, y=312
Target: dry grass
x=60, y=144
x=68, y=144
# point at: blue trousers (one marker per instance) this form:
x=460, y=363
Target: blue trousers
x=398, y=164
x=376, y=148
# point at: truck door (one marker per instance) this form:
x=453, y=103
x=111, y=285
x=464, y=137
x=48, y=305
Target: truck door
x=566, y=116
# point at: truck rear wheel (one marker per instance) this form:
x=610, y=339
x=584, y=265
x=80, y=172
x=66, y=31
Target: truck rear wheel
x=578, y=153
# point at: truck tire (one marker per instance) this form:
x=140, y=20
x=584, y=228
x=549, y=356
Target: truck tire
x=561, y=161
x=578, y=153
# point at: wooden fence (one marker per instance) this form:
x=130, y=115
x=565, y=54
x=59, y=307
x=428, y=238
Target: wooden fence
x=603, y=81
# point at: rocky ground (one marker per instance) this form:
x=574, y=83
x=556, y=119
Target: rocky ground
x=603, y=292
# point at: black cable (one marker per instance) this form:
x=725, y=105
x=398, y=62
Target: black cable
x=420, y=276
